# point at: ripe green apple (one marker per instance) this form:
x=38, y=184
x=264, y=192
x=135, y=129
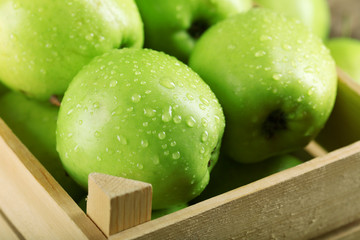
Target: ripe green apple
x=175, y=26
x=34, y=123
x=313, y=13
x=162, y=212
x=3, y=89
x=228, y=174
x=43, y=44
x=275, y=80
x=143, y=115
x=346, y=53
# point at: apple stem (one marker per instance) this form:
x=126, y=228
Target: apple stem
x=54, y=100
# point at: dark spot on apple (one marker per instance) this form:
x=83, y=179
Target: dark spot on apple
x=197, y=28
x=66, y=174
x=275, y=122
x=209, y=163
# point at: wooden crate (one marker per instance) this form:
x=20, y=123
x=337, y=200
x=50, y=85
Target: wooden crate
x=316, y=199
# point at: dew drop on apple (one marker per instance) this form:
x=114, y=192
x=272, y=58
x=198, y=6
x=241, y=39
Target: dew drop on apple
x=164, y=146
x=166, y=152
x=204, y=136
x=113, y=83
x=177, y=119
x=121, y=139
x=260, y=53
x=190, y=96
x=162, y=135
x=167, y=83
x=139, y=165
x=156, y=160
x=136, y=98
x=167, y=115
x=277, y=76
x=144, y=143
x=173, y=143
x=190, y=121
x=149, y=112
x=176, y=155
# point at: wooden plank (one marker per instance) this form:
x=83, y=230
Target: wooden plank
x=116, y=203
x=302, y=202
x=7, y=230
x=348, y=232
x=342, y=128
x=33, y=201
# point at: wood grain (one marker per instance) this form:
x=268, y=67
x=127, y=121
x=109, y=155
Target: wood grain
x=33, y=202
x=116, y=203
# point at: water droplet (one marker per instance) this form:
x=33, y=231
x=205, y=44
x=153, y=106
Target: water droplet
x=177, y=119
x=204, y=136
x=164, y=146
x=70, y=111
x=167, y=114
x=76, y=148
x=97, y=134
x=286, y=47
x=176, y=155
x=205, y=101
x=121, y=139
x=144, y=143
x=98, y=158
x=145, y=124
x=113, y=83
x=136, y=98
x=162, y=135
x=265, y=38
x=96, y=105
x=202, y=150
x=173, y=143
x=166, y=153
x=311, y=91
x=167, y=82
x=139, y=165
x=156, y=160
x=149, y=112
x=190, y=121
x=260, y=53
x=80, y=122
x=190, y=96
x=277, y=76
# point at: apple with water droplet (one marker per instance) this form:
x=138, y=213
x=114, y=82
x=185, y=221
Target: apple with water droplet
x=275, y=80
x=43, y=44
x=175, y=26
x=143, y=115
x=346, y=53
x=315, y=14
x=34, y=123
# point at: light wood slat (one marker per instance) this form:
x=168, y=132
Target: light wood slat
x=7, y=230
x=33, y=201
x=116, y=203
x=303, y=202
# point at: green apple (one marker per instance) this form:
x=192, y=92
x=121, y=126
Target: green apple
x=43, y=44
x=175, y=26
x=162, y=212
x=143, y=115
x=228, y=174
x=346, y=53
x=275, y=80
x=3, y=89
x=34, y=123
x=313, y=13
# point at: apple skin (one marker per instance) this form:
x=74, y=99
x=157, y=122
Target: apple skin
x=174, y=26
x=43, y=44
x=162, y=212
x=228, y=174
x=34, y=123
x=3, y=89
x=143, y=115
x=313, y=13
x=275, y=80
x=346, y=53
